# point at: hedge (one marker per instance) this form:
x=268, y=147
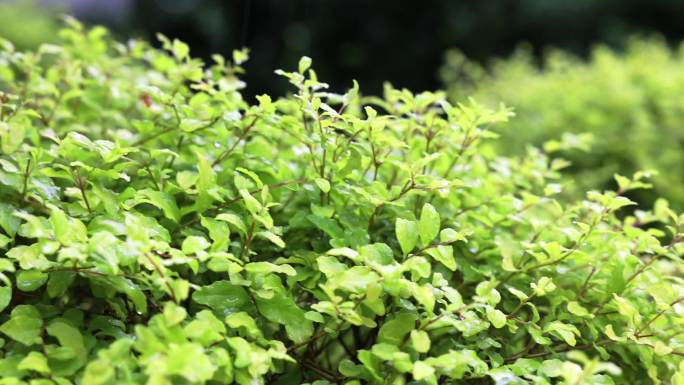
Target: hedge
x=157, y=228
x=631, y=102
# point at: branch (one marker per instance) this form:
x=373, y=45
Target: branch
x=230, y=150
x=168, y=129
x=655, y=317
x=162, y=276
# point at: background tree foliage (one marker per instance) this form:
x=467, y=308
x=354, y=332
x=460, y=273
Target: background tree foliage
x=630, y=103
x=156, y=228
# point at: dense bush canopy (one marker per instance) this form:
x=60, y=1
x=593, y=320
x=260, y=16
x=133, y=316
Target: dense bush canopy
x=632, y=103
x=159, y=229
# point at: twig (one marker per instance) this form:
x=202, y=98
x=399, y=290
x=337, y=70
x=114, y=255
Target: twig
x=26, y=176
x=655, y=317
x=230, y=150
x=162, y=276
x=81, y=185
x=168, y=129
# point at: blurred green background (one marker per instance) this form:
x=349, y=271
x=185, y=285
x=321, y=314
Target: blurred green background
x=610, y=68
x=402, y=41
x=631, y=101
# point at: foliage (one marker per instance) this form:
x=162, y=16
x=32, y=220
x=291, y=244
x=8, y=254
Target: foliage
x=159, y=229
x=28, y=24
x=631, y=103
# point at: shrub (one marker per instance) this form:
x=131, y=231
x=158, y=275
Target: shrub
x=159, y=229
x=632, y=103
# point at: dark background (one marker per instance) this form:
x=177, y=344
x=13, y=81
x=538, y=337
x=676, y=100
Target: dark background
x=401, y=41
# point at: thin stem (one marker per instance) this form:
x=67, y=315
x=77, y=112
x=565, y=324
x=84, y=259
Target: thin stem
x=81, y=185
x=318, y=335
x=568, y=253
x=149, y=172
x=163, y=276
x=323, y=373
x=520, y=306
x=562, y=349
x=244, y=252
x=655, y=317
x=410, y=185
x=432, y=246
x=585, y=285
x=27, y=172
x=172, y=158
x=84, y=270
x=168, y=129
x=232, y=148
x=48, y=119
x=676, y=239
x=523, y=352
x=467, y=141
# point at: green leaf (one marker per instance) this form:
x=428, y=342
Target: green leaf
x=496, y=317
x=180, y=50
x=5, y=296
x=244, y=321
x=323, y=184
x=240, y=55
x=234, y=220
x=420, y=341
x=443, y=254
x=189, y=361
x=371, y=363
x=71, y=338
x=206, y=180
x=67, y=230
x=161, y=200
x=394, y=330
x=174, y=314
x=219, y=232
x=626, y=307
x=407, y=234
x=267, y=267
x=30, y=280
x=4, y=241
x=450, y=236
x=565, y=331
x=422, y=370
x=24, y=325
x=575, y=308
x=304, y=64
x=282, y=309
x=275, y=239
x=552, y=368
x=543, y=286
x=36, y=362
x=186, y=179
x=251, y=203
x=98, y=372
x=59, y=282
x=222, y=296
x=428, y=226
x=661, y=349
x=12, y=134
x=327, y=225
x=205, y=328
x=8, y=222
x=425, y=296
x=194, y=244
